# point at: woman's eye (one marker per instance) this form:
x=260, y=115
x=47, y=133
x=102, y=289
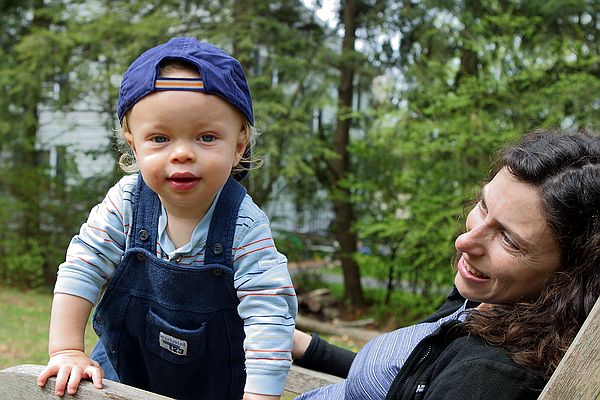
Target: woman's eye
x=482, y=207
x=160, y=139
x=207, y=138
x=508, y=241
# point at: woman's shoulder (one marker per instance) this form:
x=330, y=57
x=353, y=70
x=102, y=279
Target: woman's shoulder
x=471, y=348
x=473, y=353
x=468, y=366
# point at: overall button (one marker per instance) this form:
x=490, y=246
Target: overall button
x=143, y=235
x=217, y=248
x=140, y=257
x=178, y=259
x=217, y=272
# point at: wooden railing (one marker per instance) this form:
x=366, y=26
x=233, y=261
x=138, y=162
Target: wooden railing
x=19, y=383
x=576, y=378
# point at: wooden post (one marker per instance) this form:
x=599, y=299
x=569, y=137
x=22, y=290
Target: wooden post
x=577, y=377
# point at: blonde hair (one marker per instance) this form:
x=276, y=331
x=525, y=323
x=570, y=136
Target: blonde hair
x=247, y=162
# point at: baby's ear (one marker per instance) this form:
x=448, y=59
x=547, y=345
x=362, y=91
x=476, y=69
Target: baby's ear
x=129, y=137
x=241, y=145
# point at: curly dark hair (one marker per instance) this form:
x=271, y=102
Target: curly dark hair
x=565, y=169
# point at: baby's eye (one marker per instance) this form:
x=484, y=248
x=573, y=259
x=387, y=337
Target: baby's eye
x=207, y=138
x=159, y=139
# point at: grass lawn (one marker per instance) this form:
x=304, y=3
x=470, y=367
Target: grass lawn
x=24, y=323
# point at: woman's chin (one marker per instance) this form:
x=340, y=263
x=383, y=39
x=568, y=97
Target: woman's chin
x=466, y=290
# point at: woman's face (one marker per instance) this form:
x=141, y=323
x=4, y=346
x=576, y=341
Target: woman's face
x=508, y=250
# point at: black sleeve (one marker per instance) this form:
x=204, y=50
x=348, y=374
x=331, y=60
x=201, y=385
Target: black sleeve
x=325, y=357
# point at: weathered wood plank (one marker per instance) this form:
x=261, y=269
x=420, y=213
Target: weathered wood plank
x=312, y=325
x=577, y=377
x=19, y=383
x=302, y=380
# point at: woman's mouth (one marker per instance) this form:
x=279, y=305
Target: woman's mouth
x=470, y=271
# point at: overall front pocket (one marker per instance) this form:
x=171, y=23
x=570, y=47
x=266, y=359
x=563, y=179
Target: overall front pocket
x=173, y=344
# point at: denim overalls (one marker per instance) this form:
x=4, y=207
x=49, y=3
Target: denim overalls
x=170, y=329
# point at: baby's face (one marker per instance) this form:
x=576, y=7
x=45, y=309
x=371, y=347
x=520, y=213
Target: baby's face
x=185, y=144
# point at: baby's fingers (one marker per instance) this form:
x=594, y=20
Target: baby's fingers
x=46, y=373
x=96, y=374
x=74, y=380
x=95, y=364
x=61, y=379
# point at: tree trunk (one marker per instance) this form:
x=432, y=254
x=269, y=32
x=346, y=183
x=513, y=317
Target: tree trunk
x=344, y=212
x=28, y=190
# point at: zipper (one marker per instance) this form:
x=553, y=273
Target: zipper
x=410, y=366
x=434, y=343
x=417, y=365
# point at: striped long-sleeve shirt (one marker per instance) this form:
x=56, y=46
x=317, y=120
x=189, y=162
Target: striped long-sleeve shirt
x=267, y=298
x=377, y=364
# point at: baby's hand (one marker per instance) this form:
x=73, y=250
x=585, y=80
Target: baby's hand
x=71, y=366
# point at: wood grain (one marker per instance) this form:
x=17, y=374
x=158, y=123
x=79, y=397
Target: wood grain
x=577, y=377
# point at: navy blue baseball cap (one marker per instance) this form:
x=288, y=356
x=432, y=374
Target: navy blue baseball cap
x=220, y=74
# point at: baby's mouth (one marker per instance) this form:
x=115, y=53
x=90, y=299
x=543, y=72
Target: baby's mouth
x=183, y=181
x=182, y=177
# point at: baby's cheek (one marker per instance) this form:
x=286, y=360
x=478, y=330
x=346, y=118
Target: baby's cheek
x=150, y=178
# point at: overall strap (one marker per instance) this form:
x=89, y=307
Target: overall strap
x=146, y=210
x=219, y=242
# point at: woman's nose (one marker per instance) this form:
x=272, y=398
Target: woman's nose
x=472, y=241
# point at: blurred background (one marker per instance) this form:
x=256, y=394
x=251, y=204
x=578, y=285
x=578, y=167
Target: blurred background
x=378, y=121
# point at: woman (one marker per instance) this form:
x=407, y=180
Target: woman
x=528, y=274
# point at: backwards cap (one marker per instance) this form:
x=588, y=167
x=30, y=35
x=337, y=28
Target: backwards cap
x=220, y=74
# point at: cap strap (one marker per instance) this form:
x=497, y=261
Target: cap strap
x=178, y=84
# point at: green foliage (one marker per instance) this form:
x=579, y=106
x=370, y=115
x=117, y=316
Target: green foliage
x=465, y=79
x=23, y=262
x=402, y=309
x=475, y=76
x=308, y=280
x=292, y=246
x=301, y=247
